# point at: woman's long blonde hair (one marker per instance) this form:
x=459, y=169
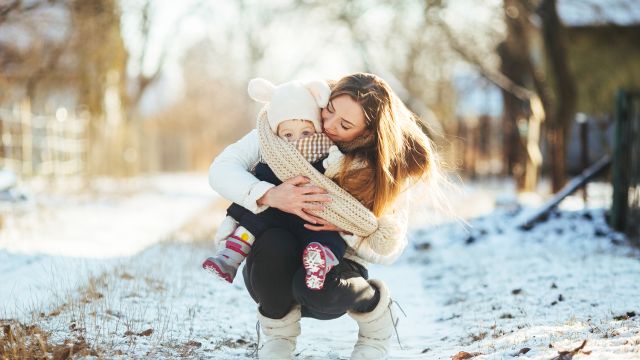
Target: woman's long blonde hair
x=394, y=150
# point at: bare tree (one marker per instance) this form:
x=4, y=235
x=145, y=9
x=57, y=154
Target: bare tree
x=562, y=109
x=516, y=64
x=29, y=63
x=14, y=7
x=143, y=79
x=516, y=77
x=529, y=95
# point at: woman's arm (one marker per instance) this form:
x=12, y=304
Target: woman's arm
x=230, y=176
x=387, y=243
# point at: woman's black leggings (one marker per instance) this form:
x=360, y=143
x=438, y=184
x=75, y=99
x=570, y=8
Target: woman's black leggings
x=274, y=276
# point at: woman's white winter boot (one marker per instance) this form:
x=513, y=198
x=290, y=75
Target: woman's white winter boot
x=279, y=335
x=375, y=327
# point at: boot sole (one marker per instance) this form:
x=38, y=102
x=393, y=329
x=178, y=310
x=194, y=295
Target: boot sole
x=315, y=264
x=213, y=268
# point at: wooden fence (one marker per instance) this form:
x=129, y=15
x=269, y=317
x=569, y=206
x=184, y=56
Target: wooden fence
x=43, y=145
x=68, y=143
x=625, y=208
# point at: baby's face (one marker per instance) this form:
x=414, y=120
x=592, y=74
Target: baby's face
x=292, y=130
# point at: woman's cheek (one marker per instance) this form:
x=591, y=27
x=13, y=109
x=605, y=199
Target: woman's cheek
x=326, y=122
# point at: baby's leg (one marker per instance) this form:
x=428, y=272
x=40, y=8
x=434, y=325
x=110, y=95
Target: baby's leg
x=345, y=289
x=324, y=250
x=256, y=224
x=330, y=239
x=237, y=245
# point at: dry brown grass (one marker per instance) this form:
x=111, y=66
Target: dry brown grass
x=21, y=341
x=96, y=319
x=79, y=325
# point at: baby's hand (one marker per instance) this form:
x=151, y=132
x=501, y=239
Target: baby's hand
x=333, y=162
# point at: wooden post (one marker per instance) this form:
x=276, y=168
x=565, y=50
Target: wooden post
x=2, y=152
x=621, y=163
x=633, y=204
x=26, y=138
x=472, y=149
x=462, y=150
x=534, y=159
x=583, y=125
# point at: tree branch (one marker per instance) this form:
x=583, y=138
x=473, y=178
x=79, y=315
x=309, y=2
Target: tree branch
x=496, y=77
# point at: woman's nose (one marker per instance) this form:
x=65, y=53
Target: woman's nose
x=328, y=122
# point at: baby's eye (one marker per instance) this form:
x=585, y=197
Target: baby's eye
x=306, y=133
x=288, y=135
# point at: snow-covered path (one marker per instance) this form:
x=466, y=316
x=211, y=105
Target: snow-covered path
x=490, y=290
x=57, y=242
x=499, y=290
x=495, y=294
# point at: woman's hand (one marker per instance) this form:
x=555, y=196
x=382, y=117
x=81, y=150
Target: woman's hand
x=321, y=225
x=296, y=196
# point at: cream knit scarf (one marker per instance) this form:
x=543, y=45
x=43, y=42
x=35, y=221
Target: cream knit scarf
x=344, y=210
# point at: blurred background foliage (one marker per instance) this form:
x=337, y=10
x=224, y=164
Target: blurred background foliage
x=121, y=88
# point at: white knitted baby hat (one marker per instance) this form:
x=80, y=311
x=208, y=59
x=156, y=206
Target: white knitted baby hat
x=291, y=100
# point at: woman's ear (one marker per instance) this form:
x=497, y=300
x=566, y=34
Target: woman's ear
x=320, y=91
x=261, y=90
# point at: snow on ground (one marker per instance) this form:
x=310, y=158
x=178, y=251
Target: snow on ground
x=52, y=244
x=497, y=290
x=488, y=289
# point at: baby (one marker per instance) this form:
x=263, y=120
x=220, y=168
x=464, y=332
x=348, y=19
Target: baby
x=293, y=112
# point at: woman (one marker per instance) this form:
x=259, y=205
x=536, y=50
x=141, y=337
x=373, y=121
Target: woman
x=385, y=151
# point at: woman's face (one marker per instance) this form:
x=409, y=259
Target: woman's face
x=343, y=119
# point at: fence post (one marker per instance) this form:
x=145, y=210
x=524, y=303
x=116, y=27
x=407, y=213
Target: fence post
x=26, y=135
x=583, y=126
x=2, y=151
x=633, y=210
x=621, y=163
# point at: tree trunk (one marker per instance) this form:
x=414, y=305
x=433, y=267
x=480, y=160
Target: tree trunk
x=562, y=112
x=101, y=54
x=514, y=56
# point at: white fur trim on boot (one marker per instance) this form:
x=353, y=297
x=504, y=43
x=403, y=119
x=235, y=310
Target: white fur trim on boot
x=375, y=327
x=279, y=335
x=226, y=228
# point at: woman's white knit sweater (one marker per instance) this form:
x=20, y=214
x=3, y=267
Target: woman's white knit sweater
x=230, y=175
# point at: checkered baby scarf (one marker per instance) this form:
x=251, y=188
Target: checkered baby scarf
x=314, y=147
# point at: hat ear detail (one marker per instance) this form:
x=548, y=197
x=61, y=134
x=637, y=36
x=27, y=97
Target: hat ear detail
x=261, y=90
x=319, y=90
